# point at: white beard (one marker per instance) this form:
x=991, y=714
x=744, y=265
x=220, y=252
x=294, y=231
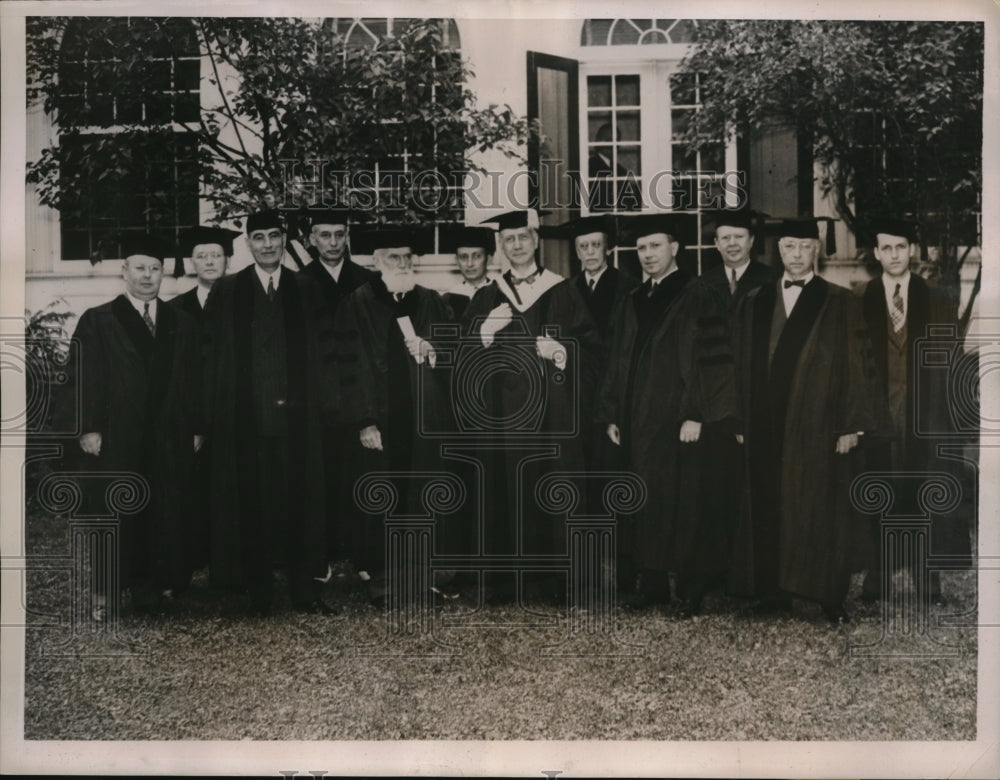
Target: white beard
x=399, y=281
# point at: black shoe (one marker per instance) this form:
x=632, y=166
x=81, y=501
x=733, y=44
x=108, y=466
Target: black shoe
x=259, y=609
x=772, y=606
x=315, y=607
x=690, y=607
x=835, y=613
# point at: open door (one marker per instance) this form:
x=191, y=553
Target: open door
x=554, y=161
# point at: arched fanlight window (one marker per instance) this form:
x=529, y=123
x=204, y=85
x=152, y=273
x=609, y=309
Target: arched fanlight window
x=628, y=32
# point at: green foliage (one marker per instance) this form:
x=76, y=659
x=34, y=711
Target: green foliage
x=275, y=90
x=46, y=349
x=893, y=109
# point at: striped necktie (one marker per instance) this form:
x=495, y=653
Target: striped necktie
x=147, y=319
x=732, y=283
x=897, y=312
x=271, y=292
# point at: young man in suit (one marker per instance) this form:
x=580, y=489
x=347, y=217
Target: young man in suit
x=139, y=385
x=900, y=308
x=269, y=390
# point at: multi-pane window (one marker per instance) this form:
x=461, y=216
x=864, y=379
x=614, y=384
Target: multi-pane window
x=635, y=121
x=154, y=189
x=627, y=32
x=614, y=137
x=414, y=172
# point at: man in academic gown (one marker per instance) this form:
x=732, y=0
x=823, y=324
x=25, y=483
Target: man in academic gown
x=209, y=249
x=900, y=308
x=807, y=398
x=671, y=375
x=473, y=248
x=739, y=273
x=337, y=276
x=269, y=386
x=537, y=343
x=138, y=392
x=388, y=365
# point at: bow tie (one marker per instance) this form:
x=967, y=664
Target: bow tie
x=529, y=279
x=794, y=283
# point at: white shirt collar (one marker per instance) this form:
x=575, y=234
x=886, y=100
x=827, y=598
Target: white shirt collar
x=264, y=276
x=334, y=271
x=596, y=277
x=202, y=294
x=740, y=270
x=656, y=282
x=140, y=305
x=890, y=286
x=805, y=280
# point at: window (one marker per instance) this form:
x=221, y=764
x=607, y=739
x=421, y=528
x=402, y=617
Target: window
x=627, y=32
x=154, y=188
x=413, y=171
x=634, y=118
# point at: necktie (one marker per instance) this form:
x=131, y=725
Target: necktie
x=593, y=283
x=794, y=283
x=270, y=288
x=898, y=315
x=529, y=279
x=732, y=283
x=652, y=289
x=147, y=319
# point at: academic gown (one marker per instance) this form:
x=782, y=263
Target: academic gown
x=338, y=441
x=671, y=361
x=382, y=385
x=903, y=451
x=796, y=534
x=229, y=408
x=141, y=394
x=530, y=411
x=756, y=275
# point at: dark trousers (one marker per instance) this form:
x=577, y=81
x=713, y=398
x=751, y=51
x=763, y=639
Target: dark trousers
x=271, y=536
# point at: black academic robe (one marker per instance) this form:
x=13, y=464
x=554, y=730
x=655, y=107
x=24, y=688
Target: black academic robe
x=608, y=294
x=920, y=400
x=189, y=303
x=756, y=275
x=529, y=411
x=141, y=394
x=229, y=408
x=671, y=361
x=381, y=384
x=337, y=441
x=796, y=535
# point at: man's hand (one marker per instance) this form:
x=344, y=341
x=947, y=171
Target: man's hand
x=91, y=443
x=496, y=320
x=690, y=431
x=550, y=349
x=846, y=443
x=614, y=434
x=371, y=439
x=422, y=350
x=199, y=440
x=739, y=438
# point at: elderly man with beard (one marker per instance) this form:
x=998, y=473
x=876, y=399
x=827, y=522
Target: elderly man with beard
x=387, y=364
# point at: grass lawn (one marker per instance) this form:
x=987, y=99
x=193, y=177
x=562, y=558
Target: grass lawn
x=498, y=672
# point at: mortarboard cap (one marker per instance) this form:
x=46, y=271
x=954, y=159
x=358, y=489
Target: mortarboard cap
x=264, y=220
x=144, y=244
x=891, y=226
x=805, y=227
x=203, y=234
x=677, y=226
x=748, y=219
x=458, y=236
x=516, y=219
x=584, y=226
x=337, y=215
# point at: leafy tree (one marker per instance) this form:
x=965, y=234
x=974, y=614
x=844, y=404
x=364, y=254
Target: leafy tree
x=893, y=111
x=279, y=95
